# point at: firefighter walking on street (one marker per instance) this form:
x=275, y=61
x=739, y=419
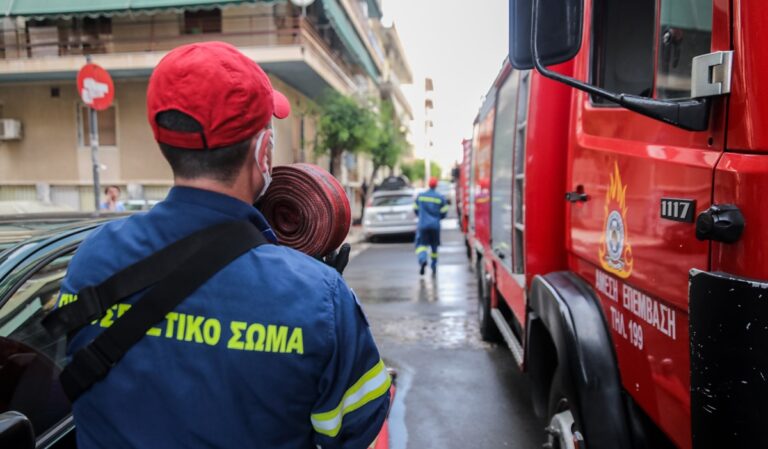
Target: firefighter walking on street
x=431, y=207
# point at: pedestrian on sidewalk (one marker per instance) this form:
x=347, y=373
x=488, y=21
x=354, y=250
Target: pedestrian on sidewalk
x=431, y=207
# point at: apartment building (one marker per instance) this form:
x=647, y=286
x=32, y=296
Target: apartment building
x=44, y=143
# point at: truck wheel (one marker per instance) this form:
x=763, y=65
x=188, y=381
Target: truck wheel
x=488, y=330
x=563, y=432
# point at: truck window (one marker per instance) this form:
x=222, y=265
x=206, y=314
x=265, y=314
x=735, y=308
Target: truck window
x=685, y=31
x=622, y=47
x=521, y=125
x=625, y=36
x=504, y=131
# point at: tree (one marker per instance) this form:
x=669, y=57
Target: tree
x=390, y=145
x=415, y=170
x=344, y=125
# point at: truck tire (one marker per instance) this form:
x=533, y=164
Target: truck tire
x=488, y=330
x=563, y=430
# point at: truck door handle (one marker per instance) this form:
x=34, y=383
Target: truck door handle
x=577, y=196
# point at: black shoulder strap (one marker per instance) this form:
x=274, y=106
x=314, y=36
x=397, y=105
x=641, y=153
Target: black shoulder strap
x=174, y=280
x=93, y=301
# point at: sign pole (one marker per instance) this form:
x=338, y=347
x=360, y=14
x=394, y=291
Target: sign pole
x=93, y=127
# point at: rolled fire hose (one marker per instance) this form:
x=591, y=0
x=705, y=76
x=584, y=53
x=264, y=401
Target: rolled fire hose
x=307, y=208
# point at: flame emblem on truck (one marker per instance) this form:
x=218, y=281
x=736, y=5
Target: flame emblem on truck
x=615, y=252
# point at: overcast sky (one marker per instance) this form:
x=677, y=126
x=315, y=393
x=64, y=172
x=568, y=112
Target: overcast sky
x=459, y=44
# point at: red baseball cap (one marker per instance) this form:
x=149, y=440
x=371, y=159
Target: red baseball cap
x=432, y=182
x=220, y=87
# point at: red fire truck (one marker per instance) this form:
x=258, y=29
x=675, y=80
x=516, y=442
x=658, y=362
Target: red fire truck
x=462, y=190
x=616, y=172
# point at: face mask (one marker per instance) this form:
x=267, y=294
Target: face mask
x=266, y=173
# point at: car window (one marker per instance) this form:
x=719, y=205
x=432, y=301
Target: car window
x=30, y=359
x=392, y=200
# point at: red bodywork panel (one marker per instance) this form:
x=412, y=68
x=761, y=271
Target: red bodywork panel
x=545, y=168
x=637, y=261
x=748, y=117
x=462, y=185
x=742, y=179
x=481, y=166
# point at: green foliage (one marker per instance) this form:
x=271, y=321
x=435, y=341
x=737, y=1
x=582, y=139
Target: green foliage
x=415, y=170
x=391, y=142
x=344, y=125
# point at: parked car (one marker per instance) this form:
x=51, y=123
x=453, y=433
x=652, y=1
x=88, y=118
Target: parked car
x=31, y=272
x=390, y=212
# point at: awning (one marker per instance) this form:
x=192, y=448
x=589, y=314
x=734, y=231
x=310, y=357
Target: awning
x=346, y=31
x=48, y=8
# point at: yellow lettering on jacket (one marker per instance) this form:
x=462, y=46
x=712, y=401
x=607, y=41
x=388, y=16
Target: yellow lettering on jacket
x=277, y=337
x=237, y=328
x=194, y=323
x=200, y=329
x=296, y=343
x=250, y=344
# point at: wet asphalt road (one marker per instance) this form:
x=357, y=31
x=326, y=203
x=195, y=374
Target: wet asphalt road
x=454, y=391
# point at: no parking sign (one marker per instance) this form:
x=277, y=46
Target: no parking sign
x=95, y=87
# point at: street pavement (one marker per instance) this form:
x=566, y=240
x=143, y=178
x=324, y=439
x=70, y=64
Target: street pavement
x=454, y=390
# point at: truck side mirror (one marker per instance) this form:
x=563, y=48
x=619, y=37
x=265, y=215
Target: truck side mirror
x=16, y=431
x=559, y=31
x=552, y=31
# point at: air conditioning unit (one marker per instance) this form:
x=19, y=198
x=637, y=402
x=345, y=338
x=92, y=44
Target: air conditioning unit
x=10, y=129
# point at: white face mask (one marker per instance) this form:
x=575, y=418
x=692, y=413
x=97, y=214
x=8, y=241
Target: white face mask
x=266, y=174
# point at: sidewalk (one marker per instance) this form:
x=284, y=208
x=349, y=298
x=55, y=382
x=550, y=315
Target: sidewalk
x=355, y=235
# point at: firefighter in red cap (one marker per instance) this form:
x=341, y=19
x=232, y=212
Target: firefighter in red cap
x=431, y=207
x=272, y=350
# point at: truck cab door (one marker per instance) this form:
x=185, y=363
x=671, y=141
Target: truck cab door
x=646, y=181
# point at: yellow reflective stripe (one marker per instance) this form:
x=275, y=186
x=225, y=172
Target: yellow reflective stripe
x=444, y=208
x=430, y=199
x=421, y=249
x=372, y=385
x=433, y=255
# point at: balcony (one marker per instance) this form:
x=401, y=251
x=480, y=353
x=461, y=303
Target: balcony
x=289, y=47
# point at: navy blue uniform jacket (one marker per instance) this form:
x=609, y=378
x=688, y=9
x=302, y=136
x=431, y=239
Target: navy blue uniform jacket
x=272, y=352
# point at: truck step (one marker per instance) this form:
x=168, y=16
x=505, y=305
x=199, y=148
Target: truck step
x=509, y=336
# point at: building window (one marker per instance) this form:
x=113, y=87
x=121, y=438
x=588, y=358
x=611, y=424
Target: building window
x=204, y=21
x=107, y=127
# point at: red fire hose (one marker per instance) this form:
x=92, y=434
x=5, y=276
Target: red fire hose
x=307, y=208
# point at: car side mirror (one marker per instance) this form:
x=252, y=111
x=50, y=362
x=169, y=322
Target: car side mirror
x=547, y=32
x=16, y=431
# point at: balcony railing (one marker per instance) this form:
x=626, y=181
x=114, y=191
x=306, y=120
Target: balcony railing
x=66, y=37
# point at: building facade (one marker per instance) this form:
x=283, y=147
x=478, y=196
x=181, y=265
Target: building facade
x=45, y=150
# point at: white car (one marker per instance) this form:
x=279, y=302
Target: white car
x=390, y=212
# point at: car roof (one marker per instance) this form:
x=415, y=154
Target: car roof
x=17, y=228
x=402, y=192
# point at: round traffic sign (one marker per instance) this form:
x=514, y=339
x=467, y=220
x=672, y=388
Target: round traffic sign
x=95, y=87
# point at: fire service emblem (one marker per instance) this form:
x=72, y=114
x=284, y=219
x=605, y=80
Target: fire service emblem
x=615, y=251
